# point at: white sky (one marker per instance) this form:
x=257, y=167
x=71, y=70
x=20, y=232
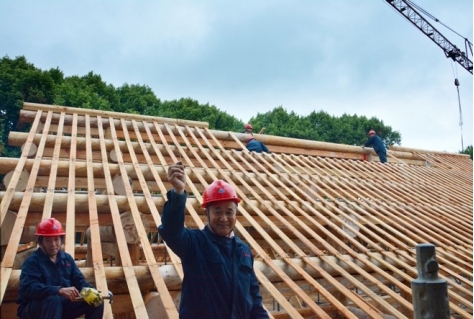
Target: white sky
x=248, y=57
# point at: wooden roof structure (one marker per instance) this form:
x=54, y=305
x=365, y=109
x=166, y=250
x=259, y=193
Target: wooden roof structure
x=332, y=229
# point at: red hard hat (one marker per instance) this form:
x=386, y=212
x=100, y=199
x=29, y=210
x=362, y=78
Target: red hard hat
x=248, y=126
x=371, y=132
x=219, y=191
x=49, y=227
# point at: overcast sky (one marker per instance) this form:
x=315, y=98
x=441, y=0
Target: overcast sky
x=248, y=57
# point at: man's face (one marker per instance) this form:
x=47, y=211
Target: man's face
x=51, y=245
x=221, y=217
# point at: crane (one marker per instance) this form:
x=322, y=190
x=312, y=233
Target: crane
x=407, y=9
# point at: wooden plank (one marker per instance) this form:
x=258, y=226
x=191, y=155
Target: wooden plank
x=174, y=258
x=71, y=199
x=9, y=257
x=97, y=259
x=328, y=277
x=48, y=203
x=132, y=283
x=10, y=189
x=167, y=302
x=5, y=275
x=361, y=286
x=106, y=114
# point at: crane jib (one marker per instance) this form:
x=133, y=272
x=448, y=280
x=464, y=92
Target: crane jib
x=407, y=9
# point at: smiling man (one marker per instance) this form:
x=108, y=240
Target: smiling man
x=50, y=280
x=219, y=280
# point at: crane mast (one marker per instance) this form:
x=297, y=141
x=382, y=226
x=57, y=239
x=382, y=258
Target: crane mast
x=450, y=50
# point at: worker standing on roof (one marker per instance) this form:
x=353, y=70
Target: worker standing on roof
x=219, y=279
x=377, y=144
x=50, y=281
x=254, y=145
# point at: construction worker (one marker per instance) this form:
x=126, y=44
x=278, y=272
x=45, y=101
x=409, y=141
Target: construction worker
x=254, y=145
x=377, y=144
x=219, y=279
x=248, y=129
x=51, y=282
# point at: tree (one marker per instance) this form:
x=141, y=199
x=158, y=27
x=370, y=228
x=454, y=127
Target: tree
x=137, y=99
x=320, y=126
x=20, y=81
x=189, y=109
x=88, y=92
x=467, y=150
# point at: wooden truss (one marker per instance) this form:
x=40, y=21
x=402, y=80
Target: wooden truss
x=333, y=235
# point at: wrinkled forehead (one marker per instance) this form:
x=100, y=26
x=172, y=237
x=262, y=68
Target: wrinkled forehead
x=51, y=238
x=222, y=205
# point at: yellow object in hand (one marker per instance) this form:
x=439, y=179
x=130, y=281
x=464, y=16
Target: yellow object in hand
x=92, y=296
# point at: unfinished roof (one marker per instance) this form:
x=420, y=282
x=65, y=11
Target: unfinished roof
x=333, y=230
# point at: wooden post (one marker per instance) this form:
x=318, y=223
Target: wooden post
x=32, y=150
x=20, y=185
x=154, y=305
x=109, y=240
x=119, y=187
x=27, y=236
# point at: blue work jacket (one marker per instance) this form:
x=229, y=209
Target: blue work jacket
x=257, y=146
x=376, y=143
x=40, y=277
x=219, y=280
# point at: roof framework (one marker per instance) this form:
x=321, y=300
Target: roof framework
x=333, y=235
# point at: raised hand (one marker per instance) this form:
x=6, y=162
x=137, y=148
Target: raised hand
x=177, y=177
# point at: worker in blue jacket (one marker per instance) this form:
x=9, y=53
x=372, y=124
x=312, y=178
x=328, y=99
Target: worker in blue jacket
x=219, y=279
x=254, y=145
x=377, y=144
x=50, y=280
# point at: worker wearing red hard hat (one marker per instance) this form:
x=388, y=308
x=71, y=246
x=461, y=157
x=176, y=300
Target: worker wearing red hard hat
x=248, y=129
x=377, y=144
x=219, y=280
x=50, y=280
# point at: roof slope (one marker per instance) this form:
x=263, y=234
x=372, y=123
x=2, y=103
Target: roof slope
x=334, y=235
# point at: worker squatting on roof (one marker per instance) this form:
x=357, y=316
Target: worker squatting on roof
x=51, y=284
x=254, y=145
x=219, y=279
x=376, y=142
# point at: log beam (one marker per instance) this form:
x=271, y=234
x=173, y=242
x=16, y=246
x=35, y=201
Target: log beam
x=115, y=280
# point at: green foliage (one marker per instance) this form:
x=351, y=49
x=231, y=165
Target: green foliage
x=467, y=150
x=88, y=92
x=320, y=126
x=137, y=99
x=21, y=82
x=189, y=109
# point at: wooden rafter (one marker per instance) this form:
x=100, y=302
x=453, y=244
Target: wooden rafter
x=333, y=235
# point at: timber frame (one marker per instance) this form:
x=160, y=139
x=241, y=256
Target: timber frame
x=333, y=230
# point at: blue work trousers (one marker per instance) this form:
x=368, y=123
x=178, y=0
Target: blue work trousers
x=382, y=156
x=57, y=307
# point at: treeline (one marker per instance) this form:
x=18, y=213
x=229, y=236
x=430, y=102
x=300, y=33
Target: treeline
x=21, y=81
